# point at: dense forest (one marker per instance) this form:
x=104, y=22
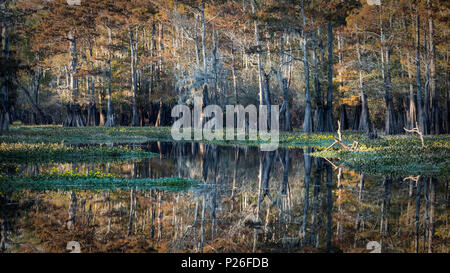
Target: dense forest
x=371, y=65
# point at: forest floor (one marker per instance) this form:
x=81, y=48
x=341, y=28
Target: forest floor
x=400, y=155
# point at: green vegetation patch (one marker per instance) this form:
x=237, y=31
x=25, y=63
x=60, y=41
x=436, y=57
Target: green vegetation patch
x=55, y=152
x=76, y=135
x=396, y=156
x=94, y=180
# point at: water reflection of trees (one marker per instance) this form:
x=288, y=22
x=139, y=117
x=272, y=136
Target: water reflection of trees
x=251, y=201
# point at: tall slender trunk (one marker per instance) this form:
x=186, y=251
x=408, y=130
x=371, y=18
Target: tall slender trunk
x=412, y=111
x=101, y=96
x=214, y=66
x=307, y=123
x=421, y=115
x=74, y=115
x=4, y=111
x=205, y=61
x=233, y=71
x=329, y=119
x=387, y=86
x=161, y=56
x=151, y=84
x=390, y=123
x=343, y=108
x=258, y=48
x=287, y=117
x=135, y=117
x=268, y=99
x=364, y=121
x=110, y=122
x=92, y=110
x=436, y=127
x=426, y=88
x=319, y=111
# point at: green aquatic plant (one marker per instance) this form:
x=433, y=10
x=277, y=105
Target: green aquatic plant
x=56, y=152
x=94, y=180
x=396, y=156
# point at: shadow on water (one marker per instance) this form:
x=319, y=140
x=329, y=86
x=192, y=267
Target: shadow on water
x=251, y=201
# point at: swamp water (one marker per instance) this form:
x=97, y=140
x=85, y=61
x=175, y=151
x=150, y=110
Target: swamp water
x=246, y=201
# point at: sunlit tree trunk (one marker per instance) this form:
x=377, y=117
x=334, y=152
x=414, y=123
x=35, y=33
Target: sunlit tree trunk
x=258, y=48
x=421, y=115
x=287, y=117
x=133, y=55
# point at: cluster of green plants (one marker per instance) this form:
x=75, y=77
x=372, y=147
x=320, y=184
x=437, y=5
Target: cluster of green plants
x=76, y=135
x=59, y=134
x=56, y=152
x=396, y=156
x=56, y=179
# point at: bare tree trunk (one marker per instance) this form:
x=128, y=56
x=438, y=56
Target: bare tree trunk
x=4, y=111
x=307, y=123
x=287, y=117
x=151, y=84
x=135, y=116
x=233, y=71
x=74, y=115
x=214, y=64
x=268, y=99
x=258, y=48
x=319, y=119
x=412, y=111
x=101, y=121
x=343, y=118
x=386, y=74
x=426, y=88
x=390, y=117
x=421, y=114
x=161, y=56
x=110, y=122
x=205, y=62
x=329, y=119
x=364, y=121
x=436, y=127
x=92, y=110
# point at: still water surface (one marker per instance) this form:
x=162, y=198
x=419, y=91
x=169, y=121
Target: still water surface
x=247, y=201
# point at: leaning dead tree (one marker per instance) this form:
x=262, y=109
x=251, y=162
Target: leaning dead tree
x=417, y=131
x=339, y=141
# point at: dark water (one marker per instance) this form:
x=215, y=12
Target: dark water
x=248, y=201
